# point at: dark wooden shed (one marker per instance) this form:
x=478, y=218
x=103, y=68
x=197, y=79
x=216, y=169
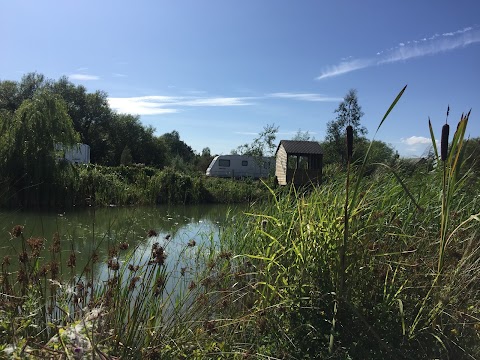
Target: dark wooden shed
x=299, y=162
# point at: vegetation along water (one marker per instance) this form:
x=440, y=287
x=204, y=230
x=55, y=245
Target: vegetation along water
x=379, y=261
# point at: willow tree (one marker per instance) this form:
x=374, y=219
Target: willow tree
x=28, y=146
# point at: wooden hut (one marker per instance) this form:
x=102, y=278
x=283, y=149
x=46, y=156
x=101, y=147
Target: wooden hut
x=299, y=162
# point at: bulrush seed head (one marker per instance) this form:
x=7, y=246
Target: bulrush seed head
x=444, y=143
x=349, y=142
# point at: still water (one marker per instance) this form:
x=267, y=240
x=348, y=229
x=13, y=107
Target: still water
x=87, y=230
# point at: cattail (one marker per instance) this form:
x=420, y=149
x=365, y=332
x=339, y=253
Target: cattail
x=349, y=142
x=444, y=143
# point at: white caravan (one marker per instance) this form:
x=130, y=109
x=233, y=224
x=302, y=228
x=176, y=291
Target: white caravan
x=240, y=166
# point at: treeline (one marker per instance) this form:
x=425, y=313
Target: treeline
x=37, y=113
x=109, y=134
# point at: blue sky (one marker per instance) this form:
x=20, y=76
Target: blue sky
x=218, y=71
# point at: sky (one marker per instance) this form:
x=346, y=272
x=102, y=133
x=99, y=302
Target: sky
x=219, y=71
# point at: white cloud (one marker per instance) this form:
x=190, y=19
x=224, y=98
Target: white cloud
x=139, y=106
x=416, y=140
x=161, y=104
x=345, y=67
x=407, y=50
x=118, y=75
x=218, y=101
x=158, y=104
x=83, y=77
x=303, y=96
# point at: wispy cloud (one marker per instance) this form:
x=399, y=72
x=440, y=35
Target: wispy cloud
x=83, y=77
x=160, y=104
x=156, y=105
x=432, y=45
x=303, y=96
x=118, y=75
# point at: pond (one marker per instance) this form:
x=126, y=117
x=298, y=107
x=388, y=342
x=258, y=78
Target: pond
x=86, y=231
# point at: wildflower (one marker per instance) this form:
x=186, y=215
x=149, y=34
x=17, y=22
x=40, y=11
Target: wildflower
x=123, y=246
x=167, y=237
x=192, y=243
x=17, y=231
x=182, y=271
x=192, y=285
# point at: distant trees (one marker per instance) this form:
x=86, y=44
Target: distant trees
x=108, y=133
x=263, y=145
x=349, y=112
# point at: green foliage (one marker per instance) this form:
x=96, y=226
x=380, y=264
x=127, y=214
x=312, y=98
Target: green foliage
x=126, y=157
x=349, y=112
x=263, y=145
x=28, y=146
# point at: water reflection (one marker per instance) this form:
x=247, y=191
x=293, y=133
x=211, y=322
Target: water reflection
x=98, y=230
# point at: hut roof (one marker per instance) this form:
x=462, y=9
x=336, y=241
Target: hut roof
x=301, y=147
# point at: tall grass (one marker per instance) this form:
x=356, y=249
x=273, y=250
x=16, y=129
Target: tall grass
x=390, y=270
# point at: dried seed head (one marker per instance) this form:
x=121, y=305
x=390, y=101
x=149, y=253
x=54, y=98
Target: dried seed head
x=17, y=231
x=72, y=260
x=349, y=142
x=152, y=233
x=444, y=143
x=56, y=243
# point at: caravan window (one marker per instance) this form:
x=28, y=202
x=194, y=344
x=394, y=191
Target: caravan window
x=224, y=163
x=244, y=163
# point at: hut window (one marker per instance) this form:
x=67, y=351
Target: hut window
x=244, y=163
x=224, y=163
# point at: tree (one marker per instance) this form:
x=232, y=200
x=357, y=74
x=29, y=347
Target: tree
x=126, y=157
x=28, y=146
x=349, y=112
x=303, y=136
x=263, y=145
x=177, y=148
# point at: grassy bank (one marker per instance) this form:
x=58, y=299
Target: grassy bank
x=384, y=266
x=270, y=288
